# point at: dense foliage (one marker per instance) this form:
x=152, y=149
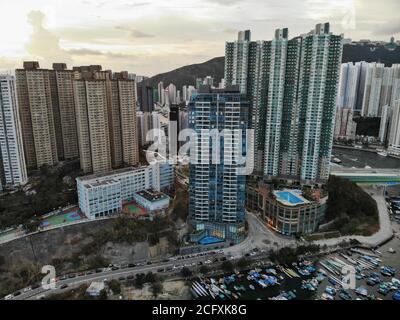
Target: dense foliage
x=48, y=192
x=353, y=210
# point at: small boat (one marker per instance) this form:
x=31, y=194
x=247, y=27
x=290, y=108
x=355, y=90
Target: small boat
x=252, y=287
x=344, y=295
x=330, y=290
x=382, y=153
x=326, y=296
x=362, y=291
x=391, y=250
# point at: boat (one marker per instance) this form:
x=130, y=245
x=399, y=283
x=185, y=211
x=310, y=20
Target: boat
x=252, y=287
x=327, y=296
x=391, y=250
x=362, y=291
x=382, y=153
x=336, y=160
x=330, y=290
x=388, y=271
x=383, y=289
x=344, y=295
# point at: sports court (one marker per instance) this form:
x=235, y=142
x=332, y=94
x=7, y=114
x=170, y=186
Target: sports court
x=69, y=216
x=133, y=208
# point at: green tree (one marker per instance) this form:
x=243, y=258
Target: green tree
x=140, y=280
x=150, y=277
x=186, y=272
x=156, y=288
x=115, y=286
x=243, y=263
x=103, y=295
x=227, y=266
x=204, y=269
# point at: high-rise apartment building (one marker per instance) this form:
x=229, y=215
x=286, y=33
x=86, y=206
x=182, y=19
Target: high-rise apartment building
x=12, y=169
x=382, y=87
x=217, y=188
x=64, y=111
x=292, y=89
x=106, y=119
x=394, y=135
x=384, y=127
x=345, y=126
x=34, y=91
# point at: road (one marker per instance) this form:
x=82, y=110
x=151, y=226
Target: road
x=260, y=237
x=115, y=274
x=385, y=227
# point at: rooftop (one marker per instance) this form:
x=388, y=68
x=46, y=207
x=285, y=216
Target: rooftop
x=152, y=195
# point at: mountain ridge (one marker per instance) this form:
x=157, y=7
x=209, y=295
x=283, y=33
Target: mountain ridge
x=186, y=75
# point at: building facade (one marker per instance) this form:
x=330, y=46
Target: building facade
x=217, y=188
x=394, y=135
x=105, y=107
x=13, y=169
x=345, y=127
x=34, y=94
x=292, y=88
x=104, y=194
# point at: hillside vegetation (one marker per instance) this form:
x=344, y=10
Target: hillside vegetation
x=353, y=210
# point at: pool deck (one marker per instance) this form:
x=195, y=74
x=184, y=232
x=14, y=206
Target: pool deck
x=290, y=197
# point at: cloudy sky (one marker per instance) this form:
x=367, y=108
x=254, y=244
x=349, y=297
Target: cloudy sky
x=152, y=36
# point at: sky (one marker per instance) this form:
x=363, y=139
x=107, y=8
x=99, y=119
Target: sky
x=148, y=37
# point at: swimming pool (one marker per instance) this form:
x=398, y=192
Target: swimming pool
x=209, y=240
x=289, y=197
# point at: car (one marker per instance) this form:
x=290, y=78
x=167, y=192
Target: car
x=131, y=265
x=64, y=286
x=16, y=294
x=121, y=278
x=207, y=262
x=80, y=274
x=165, y=260
x=35, y=286
x=222, y=259
x=149, y=263
x=130, y=277
x=200, y=263
x=160, y=270
x=8, y=297
x=71, y=276
x=99, y=270
x=114, y=268
x=124, y=266
x=89, y=272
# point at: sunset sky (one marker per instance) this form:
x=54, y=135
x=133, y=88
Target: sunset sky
x=150, y=37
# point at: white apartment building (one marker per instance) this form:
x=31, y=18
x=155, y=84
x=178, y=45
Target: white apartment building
x=102, y=195
x=394, y=136
x=13, y=171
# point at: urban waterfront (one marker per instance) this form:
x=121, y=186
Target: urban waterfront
x=360, y=159
x=251, y=290
x=350, y=158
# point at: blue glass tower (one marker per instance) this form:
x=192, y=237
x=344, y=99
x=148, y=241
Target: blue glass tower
x=217, y=186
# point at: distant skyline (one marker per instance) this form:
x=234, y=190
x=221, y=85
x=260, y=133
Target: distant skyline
x=150, y=37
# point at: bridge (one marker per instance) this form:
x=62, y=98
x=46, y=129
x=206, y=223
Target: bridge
x=368, y=176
